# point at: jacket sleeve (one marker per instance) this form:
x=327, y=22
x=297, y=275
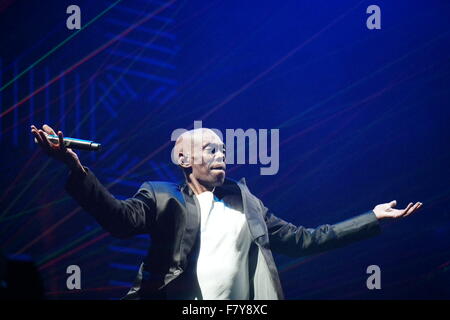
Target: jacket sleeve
x=297, y=241
x=122, y=218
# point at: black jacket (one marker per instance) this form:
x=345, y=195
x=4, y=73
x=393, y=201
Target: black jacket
x=171, y=215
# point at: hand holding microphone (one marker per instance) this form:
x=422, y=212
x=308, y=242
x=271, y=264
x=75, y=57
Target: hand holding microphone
x=74, y=143
x=57, y=148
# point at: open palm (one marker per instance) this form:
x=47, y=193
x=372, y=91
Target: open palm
x=386, y=210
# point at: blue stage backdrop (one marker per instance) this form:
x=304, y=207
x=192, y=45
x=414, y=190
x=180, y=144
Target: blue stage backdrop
x=363, y=118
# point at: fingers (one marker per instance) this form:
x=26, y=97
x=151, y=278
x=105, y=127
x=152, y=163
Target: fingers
x=411, y=208
x=414, y=208
x=42, y=139
x=37, y=137
x=62, y=146
x=48, y=129
x=393, y=203
x=406, y=210
x=45, y=142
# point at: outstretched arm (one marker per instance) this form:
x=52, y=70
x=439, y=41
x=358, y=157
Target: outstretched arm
x=297, y=241
x=386, y=210
x=122, y=218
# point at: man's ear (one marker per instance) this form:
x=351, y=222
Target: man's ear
x=183, y=160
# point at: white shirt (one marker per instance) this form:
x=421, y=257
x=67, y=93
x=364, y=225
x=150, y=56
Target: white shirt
x=222, y=266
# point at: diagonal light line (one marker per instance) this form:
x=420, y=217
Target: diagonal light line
x=142, y=21
x=314, y=171
x=27, y=211
x=71, y=68
x=357, y=104
x=23, y=172
x=24, y=189
x=59, y=46
x=295, y=118
x=84, y=245
x=277, y=63
x=243, y=88
x=49, y=230
x=32, y=156
x=67, y=246
x=66, y=92
x=86, y=58
x=106, y=93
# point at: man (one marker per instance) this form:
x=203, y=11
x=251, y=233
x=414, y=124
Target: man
x=211, y=238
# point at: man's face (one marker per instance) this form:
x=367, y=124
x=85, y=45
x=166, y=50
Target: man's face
x=208, y=159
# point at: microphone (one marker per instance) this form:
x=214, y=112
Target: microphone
x=74, y=143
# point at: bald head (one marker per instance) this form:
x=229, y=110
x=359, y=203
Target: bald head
x=190, y=143
x=201, y=152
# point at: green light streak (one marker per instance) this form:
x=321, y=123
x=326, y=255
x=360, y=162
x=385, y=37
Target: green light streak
x=59, y=46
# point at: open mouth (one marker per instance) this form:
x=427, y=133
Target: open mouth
x=218, y=168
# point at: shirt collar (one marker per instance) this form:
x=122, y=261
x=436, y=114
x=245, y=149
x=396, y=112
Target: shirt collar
x=229, y=186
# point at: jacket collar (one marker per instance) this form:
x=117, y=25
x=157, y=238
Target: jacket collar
x=229, y=186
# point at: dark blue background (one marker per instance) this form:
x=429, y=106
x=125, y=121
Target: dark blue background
x=363, y=118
